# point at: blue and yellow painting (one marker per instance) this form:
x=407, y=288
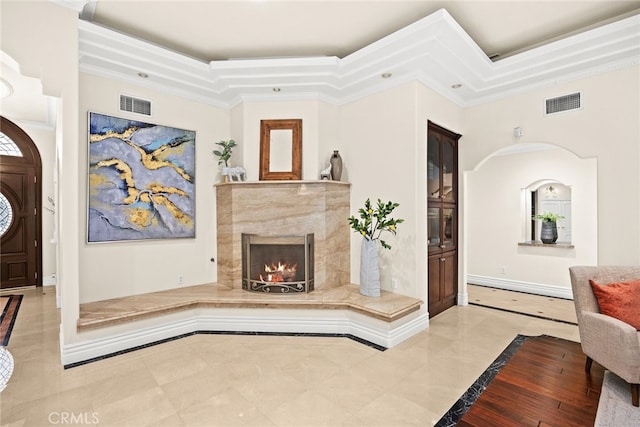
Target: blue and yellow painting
x=141, y=180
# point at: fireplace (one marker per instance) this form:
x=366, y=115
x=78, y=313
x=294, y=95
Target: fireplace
x=283, y=208
x=277, y=264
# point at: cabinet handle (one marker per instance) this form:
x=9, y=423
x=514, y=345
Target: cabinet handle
x=442, y=246
x=443, y=259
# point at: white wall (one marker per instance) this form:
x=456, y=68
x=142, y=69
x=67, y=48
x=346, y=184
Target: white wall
x=433, y=107
x=384, y=138
x=315, y=151
x=496, y=213
x=607, y=129
x=378, y=134
x=42, y=38
x=329, y=138
x=116, y=269
x=45, y=140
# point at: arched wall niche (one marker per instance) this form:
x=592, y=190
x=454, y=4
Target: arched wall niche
x=497, y=218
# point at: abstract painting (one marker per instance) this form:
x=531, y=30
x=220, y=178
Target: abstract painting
x=141, y=180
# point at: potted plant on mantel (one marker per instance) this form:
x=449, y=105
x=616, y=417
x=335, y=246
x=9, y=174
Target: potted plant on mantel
x=225, y=155
x=371, y=224
x=549, y=229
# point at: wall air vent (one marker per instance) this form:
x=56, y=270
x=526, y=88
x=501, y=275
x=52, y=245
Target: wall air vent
x=563, y=103
x=135, y=105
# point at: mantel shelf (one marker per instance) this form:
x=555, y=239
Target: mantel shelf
x=272, y=182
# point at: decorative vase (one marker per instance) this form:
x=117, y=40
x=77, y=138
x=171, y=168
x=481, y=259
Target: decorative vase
x=336, y=165
x=369, y=269
x=549, y=232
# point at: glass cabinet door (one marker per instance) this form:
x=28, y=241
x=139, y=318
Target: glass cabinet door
x=433, y=167
x=441, y=223
x=433, y=225
x=448, y=228
x=447, y=191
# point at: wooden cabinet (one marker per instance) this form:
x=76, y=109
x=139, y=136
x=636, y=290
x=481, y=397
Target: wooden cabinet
x=443, y=287
x=442, y=217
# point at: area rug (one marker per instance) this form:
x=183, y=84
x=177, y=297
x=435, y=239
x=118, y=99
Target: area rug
x=615, y=408
x=11, y=304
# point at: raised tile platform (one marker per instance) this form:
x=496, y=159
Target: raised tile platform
x=389, y=307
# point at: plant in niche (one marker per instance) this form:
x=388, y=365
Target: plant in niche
x=225, y=154
x=548, y=217
x=373, y=222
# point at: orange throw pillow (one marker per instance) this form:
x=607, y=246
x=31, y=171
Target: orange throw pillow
x=619, y=300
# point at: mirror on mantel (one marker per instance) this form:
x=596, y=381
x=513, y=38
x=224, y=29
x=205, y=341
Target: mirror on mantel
x=281, y=149
x=547, y=196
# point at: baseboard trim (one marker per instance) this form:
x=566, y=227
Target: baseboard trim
x=339, y=324
x=519, y=286
x=463, y=298
x=49, y=280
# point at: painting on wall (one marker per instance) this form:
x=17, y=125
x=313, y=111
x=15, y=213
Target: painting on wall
x=141, y=181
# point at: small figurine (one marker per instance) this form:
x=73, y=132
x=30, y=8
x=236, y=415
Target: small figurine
x=326, y=173
x=237, y=172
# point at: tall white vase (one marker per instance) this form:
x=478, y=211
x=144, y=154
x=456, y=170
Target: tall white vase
x=369, y=269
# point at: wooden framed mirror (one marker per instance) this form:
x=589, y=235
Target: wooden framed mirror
x=281, y=149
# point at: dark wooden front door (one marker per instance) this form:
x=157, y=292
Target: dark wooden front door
x=20, y=244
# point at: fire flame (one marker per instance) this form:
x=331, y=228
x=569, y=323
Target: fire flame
x=279, y=273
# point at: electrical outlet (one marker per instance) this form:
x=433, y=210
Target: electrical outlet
x=503, y=270
x=181, y=280
x=394, y=283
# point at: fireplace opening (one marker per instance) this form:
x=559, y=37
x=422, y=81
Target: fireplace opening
x=277, y=264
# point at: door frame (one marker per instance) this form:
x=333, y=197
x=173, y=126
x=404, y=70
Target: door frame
x=30, y=159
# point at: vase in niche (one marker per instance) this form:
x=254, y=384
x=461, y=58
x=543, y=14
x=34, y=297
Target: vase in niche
x=549, y=232
x=369, y=269
x=336, y=166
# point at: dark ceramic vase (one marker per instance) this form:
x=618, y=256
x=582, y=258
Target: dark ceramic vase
x=336, y=166
x=549, y=232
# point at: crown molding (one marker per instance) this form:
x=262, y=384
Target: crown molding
x=76, y=5
x=434, y=51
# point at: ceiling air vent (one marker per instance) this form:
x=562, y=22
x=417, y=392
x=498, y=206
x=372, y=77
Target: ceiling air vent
x=135, y=105
x=563, y=103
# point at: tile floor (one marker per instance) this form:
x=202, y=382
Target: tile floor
x=224, y=380
x=534, y=305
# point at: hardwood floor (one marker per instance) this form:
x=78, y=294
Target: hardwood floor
x=543, y=384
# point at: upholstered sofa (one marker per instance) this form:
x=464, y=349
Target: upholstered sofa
x=612, y=343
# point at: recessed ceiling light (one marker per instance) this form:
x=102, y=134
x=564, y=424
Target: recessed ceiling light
x=143, y=75
x=456, y=86
x=5, y=88
x=276, y=89
x=386, y=75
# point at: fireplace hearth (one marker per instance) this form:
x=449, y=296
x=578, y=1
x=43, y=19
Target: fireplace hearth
x=277, y=264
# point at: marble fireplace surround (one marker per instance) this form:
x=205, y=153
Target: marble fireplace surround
x=265, y=207
x=276, y=208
